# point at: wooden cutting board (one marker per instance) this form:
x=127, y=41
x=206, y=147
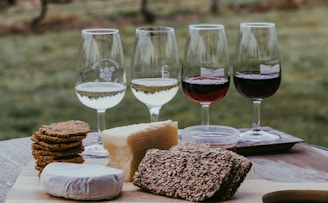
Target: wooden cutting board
x=27, y=189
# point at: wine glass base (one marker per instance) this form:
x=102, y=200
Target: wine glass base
x=95, y=150
x=257, y=136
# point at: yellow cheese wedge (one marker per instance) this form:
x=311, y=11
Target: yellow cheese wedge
x=127, y=145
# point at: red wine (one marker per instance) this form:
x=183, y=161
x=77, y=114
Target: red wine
x=256, y=85
x=205, y=88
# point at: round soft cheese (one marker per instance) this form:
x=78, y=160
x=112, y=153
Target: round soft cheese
x=82, y=181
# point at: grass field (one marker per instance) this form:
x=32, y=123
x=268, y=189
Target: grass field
x=37, y=71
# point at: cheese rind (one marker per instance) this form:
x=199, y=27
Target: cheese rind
x=127, y=145
x=81, y=181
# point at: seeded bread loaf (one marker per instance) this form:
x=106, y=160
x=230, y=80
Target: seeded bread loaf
x=240, y=166
x=191, y=171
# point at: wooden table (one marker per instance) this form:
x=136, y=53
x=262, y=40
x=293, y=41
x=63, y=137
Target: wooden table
x=302, y=165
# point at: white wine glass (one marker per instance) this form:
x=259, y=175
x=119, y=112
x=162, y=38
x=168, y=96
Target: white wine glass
x=206, y=68
x=155, y=67
x=257, y=71
x=101, y=76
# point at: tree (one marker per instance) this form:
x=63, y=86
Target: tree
x=148, y=16
x=11, y=2
x=7, y=3
x=44, y=8
x=214, y=6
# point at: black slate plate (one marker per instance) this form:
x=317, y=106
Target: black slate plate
x=285, y=143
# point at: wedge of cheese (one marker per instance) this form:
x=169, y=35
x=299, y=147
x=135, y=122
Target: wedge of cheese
x=127, y=145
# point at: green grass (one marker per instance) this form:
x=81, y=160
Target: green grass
x=37, y=72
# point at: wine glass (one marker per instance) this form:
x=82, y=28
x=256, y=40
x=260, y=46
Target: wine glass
x=257, y=71
x=205, y=71
x=101, y=76
x=155, y=68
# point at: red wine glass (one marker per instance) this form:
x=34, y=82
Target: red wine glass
x=257, y=71
x=205, y=71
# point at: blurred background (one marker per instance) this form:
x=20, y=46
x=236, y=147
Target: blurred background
x=39, y=41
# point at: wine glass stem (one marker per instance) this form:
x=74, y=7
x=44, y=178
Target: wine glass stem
x=154, y=112
x=101, y=123
x=256, y=114
x=205, y=113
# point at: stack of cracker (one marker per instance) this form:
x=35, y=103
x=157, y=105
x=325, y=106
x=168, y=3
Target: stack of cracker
x=59, y=142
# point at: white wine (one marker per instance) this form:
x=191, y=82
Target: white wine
x=154, y=91
x=100, y=95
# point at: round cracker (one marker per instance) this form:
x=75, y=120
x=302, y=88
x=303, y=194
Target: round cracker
x=62, y=153
x=55, y=147
x=72, y=159
x=65, y=129
x=38, y=136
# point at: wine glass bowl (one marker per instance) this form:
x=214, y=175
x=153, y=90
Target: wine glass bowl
x=255, y=85
x=100, y=80
x=257, y=71
x=205, y=71
x=155, y=68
